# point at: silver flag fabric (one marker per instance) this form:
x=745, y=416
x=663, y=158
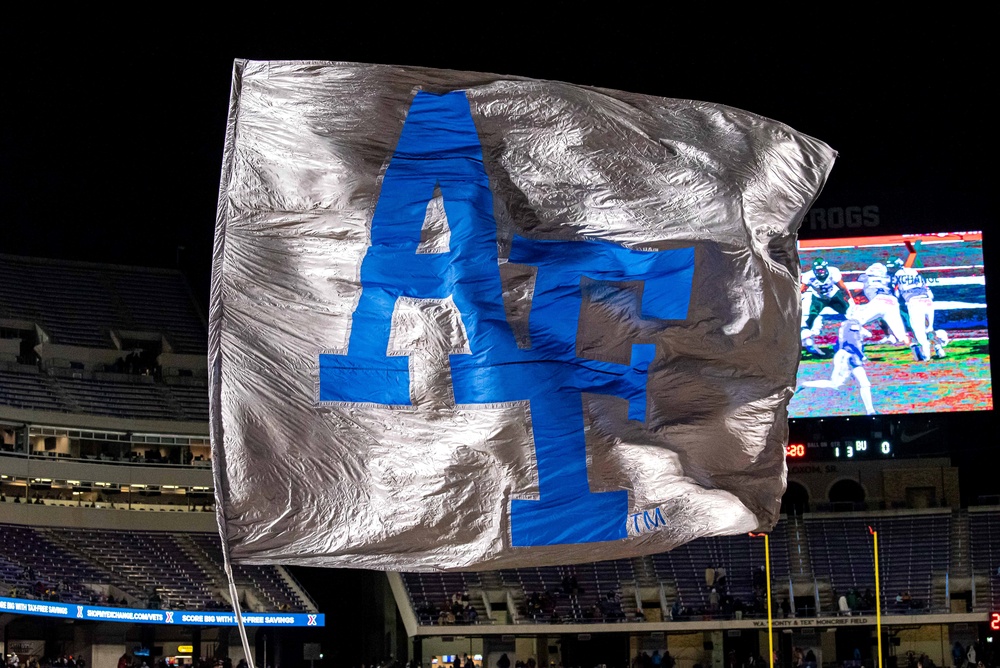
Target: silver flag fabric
x=468, y=321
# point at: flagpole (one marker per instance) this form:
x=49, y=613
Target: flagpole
x=770, y=618
x=878, y=599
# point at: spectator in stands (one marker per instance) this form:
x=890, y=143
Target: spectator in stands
x=720, y=578
x=738, y=608
x=843, y=605
x=957, y=655
x=470, y=614
x=868, y=600
x=713, y=600
x=852, y=599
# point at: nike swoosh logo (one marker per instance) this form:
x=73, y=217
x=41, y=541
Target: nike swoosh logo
x=906, y=438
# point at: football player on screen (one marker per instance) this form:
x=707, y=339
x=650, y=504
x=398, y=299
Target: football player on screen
x=849, y=360
x=822, y=287
x=882, y=302
x=918, y=309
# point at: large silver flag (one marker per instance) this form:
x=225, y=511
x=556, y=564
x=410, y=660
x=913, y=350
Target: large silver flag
x=463, y=320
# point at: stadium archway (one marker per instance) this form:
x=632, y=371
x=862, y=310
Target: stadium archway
x=795, y=500
x=847, y=495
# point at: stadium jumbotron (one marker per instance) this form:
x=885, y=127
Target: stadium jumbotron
x=108, y=528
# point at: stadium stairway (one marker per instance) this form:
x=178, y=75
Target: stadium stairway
x=296, y=587
x=960, y=576
x=216, y=575
x=647, y=585
x=59, y=391
x=261, y=589
x=496, y=594
x=800, y=565
x=667, y=595
x=645, y=574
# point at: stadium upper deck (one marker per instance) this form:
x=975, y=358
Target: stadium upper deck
x=99, y=305
x=108, y=345
x=104, y=410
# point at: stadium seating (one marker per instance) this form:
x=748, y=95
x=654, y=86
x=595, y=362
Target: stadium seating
x=685, y=566
x=984, y=553
x=149, y=568
x=914, y=557
x=138, y=397
x=78, y=303
x=914, y=548
x=431, y=593
x=30, y=390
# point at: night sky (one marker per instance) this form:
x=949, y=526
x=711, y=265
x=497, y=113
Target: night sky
x=111, y=139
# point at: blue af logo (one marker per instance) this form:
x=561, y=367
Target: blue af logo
x=433, y=241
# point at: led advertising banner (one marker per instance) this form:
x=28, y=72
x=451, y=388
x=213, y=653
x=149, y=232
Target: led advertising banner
x=135, y=616
x=893, y=324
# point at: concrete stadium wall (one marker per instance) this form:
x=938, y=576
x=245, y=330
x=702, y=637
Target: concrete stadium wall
x=127, y=474
x=99, y=518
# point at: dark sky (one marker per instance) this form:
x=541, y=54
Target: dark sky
x=111, y=138
x=111, y=134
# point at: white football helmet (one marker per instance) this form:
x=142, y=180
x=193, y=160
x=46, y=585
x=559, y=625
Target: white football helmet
x=877, y=269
